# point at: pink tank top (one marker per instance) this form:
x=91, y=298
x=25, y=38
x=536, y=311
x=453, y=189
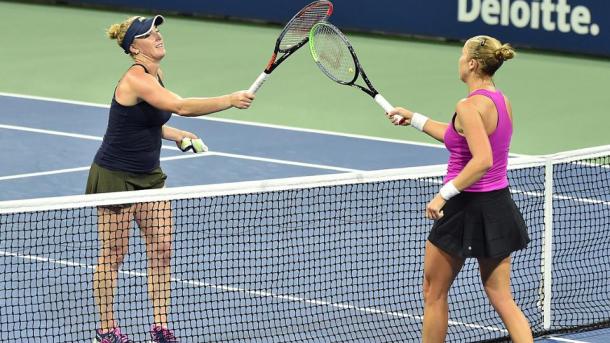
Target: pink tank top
x=459, y=154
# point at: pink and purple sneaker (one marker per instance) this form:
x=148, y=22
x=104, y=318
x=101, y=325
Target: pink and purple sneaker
x=161, y=334
x=112, y=336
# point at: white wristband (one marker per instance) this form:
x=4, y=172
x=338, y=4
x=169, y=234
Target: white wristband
x=448, y=191
x=418, y=121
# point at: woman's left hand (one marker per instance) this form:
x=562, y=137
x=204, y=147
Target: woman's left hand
x=183, y=135
x=434, y=209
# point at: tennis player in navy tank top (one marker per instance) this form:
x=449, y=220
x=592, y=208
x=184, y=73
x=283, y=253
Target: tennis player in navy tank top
x=474, y=214
x=128, y=159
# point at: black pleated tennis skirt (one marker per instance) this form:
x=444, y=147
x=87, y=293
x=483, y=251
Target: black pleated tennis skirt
x=480, y=224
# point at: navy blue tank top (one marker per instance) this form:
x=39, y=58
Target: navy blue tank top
x=132, y=142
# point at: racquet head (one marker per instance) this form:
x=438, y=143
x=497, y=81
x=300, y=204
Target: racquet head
x=294, y=35
x=333, y=53
x=337, y=59
x=296, y=31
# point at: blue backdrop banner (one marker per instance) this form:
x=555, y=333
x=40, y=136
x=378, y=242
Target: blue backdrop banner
x=577, y=26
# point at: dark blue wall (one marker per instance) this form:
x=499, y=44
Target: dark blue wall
x=579, y=26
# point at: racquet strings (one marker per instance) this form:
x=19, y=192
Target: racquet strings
x=298, y=29
x=332, y=54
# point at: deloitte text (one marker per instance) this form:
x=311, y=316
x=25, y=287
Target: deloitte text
x=549, y=15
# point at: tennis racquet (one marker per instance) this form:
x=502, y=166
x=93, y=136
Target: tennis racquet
x=294, y=35
x=337, y=59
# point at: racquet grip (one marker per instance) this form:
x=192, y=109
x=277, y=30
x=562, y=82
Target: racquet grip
x=258, y=83
x=387, y=107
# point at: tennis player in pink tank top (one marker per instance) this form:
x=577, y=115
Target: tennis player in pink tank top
x=474, y=214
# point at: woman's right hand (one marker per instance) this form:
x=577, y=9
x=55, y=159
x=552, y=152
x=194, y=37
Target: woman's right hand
x=400, y=116
x=241, y=99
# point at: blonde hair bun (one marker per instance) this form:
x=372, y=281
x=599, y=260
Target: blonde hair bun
x=113, y=31
x=505, y=52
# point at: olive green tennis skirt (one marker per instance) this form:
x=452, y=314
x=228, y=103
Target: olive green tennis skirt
x=103, y=180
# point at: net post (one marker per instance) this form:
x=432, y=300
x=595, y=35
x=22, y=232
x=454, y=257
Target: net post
x=547, y=245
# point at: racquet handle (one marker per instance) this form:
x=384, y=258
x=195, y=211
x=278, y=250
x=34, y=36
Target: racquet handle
x=258, y=83
x=387, y=107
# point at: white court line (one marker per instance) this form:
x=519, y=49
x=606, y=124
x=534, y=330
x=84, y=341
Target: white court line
x=63, y=101
x=166, y=147
x=559, y=339
x=49, y=172
x=50, y=132
x=563, y=197
x=264, y=294
x=233, y=121
x=79, y=169
x=172, y=158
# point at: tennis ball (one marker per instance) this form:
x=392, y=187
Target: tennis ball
x=351, y=70
x=199, y=146
x=186, y=144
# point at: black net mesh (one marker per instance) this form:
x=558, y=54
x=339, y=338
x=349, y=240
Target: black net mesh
x=310, y=263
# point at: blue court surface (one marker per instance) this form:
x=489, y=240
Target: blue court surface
x=48, y=146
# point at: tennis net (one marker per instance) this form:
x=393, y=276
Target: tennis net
x=335, y=258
